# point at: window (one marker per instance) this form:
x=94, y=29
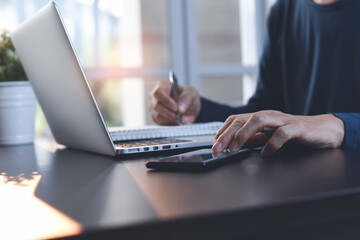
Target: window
x=126, y=46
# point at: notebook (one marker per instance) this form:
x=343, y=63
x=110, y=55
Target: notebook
x=64, y=94
x=150, y=132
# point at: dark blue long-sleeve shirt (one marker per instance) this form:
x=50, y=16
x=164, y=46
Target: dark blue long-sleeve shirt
x=310, y=65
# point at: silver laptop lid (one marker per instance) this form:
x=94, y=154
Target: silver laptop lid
x=60, y=85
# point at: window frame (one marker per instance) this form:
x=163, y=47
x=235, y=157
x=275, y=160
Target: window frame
x=182, y=35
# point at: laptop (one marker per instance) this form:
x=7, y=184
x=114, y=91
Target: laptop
x=64, y=94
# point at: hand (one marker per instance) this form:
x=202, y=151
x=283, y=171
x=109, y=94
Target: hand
x=274, y=129
x=163, y=107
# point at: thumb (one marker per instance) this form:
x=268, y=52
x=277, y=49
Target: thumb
x=185, y=99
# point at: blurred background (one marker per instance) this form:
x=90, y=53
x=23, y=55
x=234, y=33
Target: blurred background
x=126, y=46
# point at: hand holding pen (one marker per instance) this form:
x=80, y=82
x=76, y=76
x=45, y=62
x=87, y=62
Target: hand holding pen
x=169, y=106
x=175, y=91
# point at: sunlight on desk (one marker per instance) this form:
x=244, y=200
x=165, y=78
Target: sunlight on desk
x=24, y=216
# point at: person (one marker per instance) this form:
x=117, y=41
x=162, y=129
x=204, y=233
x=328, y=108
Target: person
x=308, y=89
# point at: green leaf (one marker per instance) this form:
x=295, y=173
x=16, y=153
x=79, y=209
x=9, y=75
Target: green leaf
x=11, y=68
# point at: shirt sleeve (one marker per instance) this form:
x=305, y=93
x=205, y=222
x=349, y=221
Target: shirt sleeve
x=352, y=129
x=269, y=91
x=212, y=111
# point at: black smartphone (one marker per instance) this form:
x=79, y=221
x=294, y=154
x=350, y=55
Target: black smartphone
x=197, y=160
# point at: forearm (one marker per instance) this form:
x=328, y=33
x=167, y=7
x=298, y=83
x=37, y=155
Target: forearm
x=212, y=111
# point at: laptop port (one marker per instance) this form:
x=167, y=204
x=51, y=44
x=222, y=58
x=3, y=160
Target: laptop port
x=167, y=147
x=146, y=149
x=131, y=150
x=155, y=148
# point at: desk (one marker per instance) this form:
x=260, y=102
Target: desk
x=64, y=193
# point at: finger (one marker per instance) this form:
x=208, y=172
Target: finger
x=165, y=113
x=165, y=121
x=225, y=126
x=162, y=94
x=257, y=140
x=159, y=119
x=187, y=119
x=257, y=122
x=223, y=141
x=228, y=122
x=279, y=138
x=186, y=97
x=155, y=105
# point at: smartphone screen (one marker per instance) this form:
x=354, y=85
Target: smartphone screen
x=196, y=160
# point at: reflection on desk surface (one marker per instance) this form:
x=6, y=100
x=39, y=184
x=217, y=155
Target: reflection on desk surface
x=68, y=192
x=65, y=193
x=244, y=184
x=23, y=215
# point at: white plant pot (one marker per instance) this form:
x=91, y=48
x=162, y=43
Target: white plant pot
x=17, y=113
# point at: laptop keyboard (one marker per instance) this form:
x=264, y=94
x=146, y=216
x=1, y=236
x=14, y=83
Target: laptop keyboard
x=148, y=142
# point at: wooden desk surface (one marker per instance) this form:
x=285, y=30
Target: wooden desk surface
x=51, y=194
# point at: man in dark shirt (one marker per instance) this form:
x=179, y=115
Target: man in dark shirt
x=308, y=88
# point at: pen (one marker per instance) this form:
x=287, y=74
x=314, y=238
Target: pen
x=175, y=93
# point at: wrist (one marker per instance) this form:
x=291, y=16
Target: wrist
x=338, y=127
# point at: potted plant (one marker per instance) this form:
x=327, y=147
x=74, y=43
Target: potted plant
x=17, y=99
